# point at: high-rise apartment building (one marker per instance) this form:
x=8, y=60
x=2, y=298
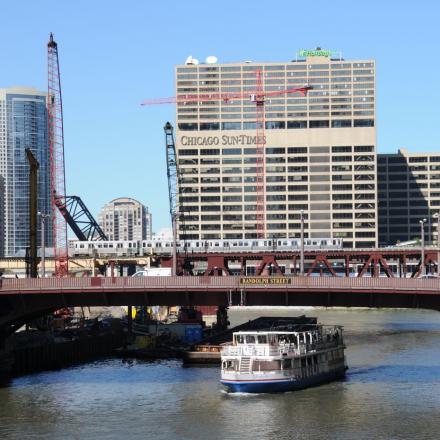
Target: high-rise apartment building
x=409, y=192
x=320, y=150
x=23, y=124
x=126, y=219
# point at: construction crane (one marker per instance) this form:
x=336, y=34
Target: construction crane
x=56, y=148
x=258, y=97
x=174, y=191
x=79, y=218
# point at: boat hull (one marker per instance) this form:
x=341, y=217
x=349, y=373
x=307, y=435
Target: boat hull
x=281, y=385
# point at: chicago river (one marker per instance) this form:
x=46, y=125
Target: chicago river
x=392, y=391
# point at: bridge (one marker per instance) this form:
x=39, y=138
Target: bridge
x=389, y=262
x=24, y=299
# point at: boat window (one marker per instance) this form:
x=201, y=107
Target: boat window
x=292, y=339
x=262, y=339
x=287, y=364
x=250, y=339
x=240, y=339
x=283, y=339
x=270, y=365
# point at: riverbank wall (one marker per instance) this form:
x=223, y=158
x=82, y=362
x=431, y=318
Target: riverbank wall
x=59, y=354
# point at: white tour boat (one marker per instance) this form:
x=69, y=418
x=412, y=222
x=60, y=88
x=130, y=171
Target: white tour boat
x=274, y=361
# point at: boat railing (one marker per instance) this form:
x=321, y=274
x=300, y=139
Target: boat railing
x=280, y=350
x=264, y=350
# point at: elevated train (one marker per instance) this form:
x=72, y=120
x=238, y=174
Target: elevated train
x=165, y=247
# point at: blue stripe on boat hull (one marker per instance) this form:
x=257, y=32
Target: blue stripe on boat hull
x=281, y=385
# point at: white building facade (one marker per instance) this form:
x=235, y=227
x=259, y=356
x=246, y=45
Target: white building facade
x=126, y=219
x=319, y=155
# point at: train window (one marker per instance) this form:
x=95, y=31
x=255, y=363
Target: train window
x=265, y=243
x=110, y=245
x=255, y=243
x=240, y=243
x=81, y=246
x=314, y=243
x=226, y=243
x=269, y=242
x=217, y=244
x=285, y=243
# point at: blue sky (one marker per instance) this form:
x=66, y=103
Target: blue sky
x=114, y=54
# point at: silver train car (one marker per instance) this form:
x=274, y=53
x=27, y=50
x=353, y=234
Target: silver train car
x=165, y=247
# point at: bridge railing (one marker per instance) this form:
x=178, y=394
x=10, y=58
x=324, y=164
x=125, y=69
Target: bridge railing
x=233, y=283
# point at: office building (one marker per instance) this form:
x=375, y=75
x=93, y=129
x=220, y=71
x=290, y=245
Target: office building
x=2, y=216
x=125, y=219
x=320, y=149
x=408, y=192
x=23, y=124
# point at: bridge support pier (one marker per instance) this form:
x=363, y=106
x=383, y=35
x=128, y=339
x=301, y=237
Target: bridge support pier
x=130, y=322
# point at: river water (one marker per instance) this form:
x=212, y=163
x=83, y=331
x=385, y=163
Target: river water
x=392, y=391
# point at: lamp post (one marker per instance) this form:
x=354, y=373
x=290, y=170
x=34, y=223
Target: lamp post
x=422, y=258
x=43, y=242
x=301, y=267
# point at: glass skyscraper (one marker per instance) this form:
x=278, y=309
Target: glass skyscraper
x=23, y=124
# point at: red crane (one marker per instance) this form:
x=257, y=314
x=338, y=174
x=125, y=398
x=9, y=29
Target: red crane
x=258, y=97
x=56, y=148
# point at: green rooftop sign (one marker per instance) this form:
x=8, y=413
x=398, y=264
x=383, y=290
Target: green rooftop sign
x=315, y=53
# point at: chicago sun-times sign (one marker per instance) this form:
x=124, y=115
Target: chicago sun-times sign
x=224, y=140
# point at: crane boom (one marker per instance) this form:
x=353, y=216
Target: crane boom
x=56, y=148
x=223, y=96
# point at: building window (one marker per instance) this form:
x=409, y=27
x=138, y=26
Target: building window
x=231, y=126
x=209, y=126
x=274, y=125
x=188, y=126
x=341, y=123
x=364, y=122
x=296, y=124
x=319, y=124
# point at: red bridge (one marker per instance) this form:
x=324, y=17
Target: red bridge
x=392, y=262
x=24, y=299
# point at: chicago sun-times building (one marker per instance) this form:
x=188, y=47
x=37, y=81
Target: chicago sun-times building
x=320, y=150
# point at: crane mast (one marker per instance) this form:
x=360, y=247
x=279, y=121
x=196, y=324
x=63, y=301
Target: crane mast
x=171, y=169
x=56, y=148
x=260, y=141
x=174, y=191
